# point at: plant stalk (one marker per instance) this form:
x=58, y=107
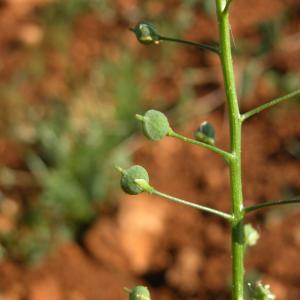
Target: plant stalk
x=194, y=205
x=226, y=155
x=235, y=124
x=269, y=104
x=190, y=43
x=249, y=209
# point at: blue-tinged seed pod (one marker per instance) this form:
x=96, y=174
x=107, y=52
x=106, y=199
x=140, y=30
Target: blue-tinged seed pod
x=155, y=124
x=139, y=293
x=129, y=176
x=205, y=133
x=146, y=33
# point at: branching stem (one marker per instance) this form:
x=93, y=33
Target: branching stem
x=269, y=104
x=194, y=205
x=232, y=157
x=226, y=155
x=295, y=200
x=190, y=43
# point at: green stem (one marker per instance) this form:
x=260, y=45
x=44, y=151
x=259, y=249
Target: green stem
x=127, y=290
x=271, y=103
x=226, y=155
x=295, y=200
x=227, y=6
x=190, y=43
x=237, y=230
x=194, y=205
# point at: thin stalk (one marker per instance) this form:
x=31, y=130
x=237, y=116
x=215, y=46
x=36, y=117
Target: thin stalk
x=190, y=43
x=194, y=205
x=237, y=229
x=127, y=290
x=226, y=155
x=249, y=209
x=227, y=6
x=269, y=104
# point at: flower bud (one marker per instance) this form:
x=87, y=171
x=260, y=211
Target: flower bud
x=139, y=293
x=262, y=292
x=251, y=235
x=129, y=176
x=205, y=133
x=155, y=124
x=146, y=33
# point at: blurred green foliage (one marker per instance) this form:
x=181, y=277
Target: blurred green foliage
x=258, y=66
x=74, y=163
x=74, y=143
x=64, y=12
x=74, y=140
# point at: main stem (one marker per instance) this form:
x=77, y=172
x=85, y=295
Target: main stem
x=235, y=122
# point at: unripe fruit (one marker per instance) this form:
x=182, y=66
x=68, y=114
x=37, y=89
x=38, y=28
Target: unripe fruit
x=155, y=124
x=205, y=133
x=139, y=293
x=146, y=33
x=129, y=176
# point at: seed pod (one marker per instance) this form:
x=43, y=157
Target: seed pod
x=155, y=124
x=139, y=293
x=251, y=235
x=205, y=133
x=129, y=176
x=146, y=33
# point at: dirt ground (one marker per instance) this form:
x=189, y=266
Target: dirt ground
x=176, y=251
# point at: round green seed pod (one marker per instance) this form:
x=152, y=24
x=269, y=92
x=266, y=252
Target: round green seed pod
x=155, y=125
x=205, y=133
x=128, y=179
x=139, y=293
x=146, y=33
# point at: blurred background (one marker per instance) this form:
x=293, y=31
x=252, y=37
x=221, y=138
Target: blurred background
x=72, y=77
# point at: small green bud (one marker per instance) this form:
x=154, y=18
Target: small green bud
x=146, y=33
x=251, y=235
x=155, y=124
x=205, y=133
x=262, y=292
x=129, y=176
x=139, y=293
